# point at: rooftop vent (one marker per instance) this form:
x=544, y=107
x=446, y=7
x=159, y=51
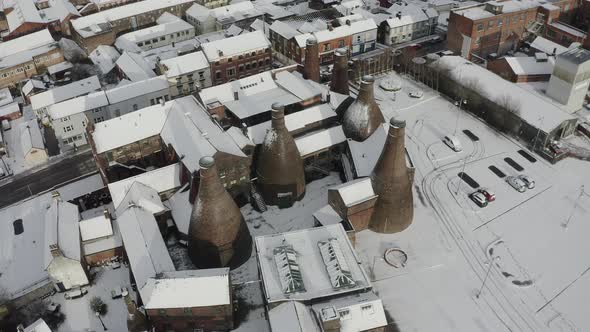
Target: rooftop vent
x=336, y=264
x=289, y=273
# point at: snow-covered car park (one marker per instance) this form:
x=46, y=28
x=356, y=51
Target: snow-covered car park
x=519, y=243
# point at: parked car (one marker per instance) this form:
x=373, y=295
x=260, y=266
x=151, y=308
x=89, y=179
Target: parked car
x=516, y=183
x=416, y=94
x=556, y=147
x=76, y=293
x=528, y=181
x=479, y=199
x=118, y=292
x=489, y=195
x=453, y=143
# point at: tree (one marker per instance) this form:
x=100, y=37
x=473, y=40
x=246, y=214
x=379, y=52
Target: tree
x=98, y=305
x=510, y=113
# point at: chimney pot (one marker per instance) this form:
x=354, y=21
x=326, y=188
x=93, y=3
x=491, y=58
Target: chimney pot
x=397, y=123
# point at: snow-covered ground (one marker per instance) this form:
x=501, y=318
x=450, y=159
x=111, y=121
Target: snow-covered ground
x=78, y=315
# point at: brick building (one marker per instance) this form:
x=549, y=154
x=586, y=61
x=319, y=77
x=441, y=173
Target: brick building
x=497, y=27
x=25, y=17
x=26, y=56
x=104, y=27
x=523, y=69
x=564, y=34
x=237, y=57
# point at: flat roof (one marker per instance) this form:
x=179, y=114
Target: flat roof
x=95, y=228
x=530, y=65
x=319, y=140
x=309, y=263
x=163, y=28
x=65, y=92
x=178, y=289
x=185, y=64
x=239, y=44
x=355, y=191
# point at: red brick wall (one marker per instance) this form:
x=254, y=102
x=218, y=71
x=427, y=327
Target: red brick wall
x=100, y=257
x=562, y=37
x=501, y=68
x=214, y=318
x=262, y=60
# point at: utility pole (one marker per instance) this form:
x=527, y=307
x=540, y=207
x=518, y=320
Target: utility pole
x=460, y=103
x=566, y=223
x=491, y=262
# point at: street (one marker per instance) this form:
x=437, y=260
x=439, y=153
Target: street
x=24, y=186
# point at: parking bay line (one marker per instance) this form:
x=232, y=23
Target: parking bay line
x=512, y=208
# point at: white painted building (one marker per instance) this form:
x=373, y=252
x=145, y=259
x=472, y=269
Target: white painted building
x=168, y=30
x=208, y=20
x=570, y=79
x=70, y=118
x=186, y=74
x=408, y=22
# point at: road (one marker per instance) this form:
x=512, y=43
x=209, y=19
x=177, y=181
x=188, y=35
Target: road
x=23, y=186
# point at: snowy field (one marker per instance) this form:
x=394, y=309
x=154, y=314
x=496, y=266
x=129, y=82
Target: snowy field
x=537, y=279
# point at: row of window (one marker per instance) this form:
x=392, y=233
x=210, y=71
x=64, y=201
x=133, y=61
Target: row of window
x=230, y=72
x=72, y=139
x=366, y=310
x=241, y=56
x=16, y=71
x=163, y=38
x=501, y=21
x=154, y=101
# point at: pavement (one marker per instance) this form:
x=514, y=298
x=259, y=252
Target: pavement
x=28, y=184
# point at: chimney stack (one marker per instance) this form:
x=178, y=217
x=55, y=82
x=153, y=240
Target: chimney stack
x=394, y=208
x=279, y=166
x=339, y=81
x=218, y=235
x=311, y=66
x=363, y=116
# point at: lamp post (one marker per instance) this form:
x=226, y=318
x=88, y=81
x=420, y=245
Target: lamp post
x=491, y=262
x=101, y=322
x=460, y=103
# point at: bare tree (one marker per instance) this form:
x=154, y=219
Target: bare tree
x=510, y=113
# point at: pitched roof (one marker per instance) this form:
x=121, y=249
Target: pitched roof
x=134, y=67
x=65, y=92
x=62, y=230
x=185, y=64
x=356, y=191
x=23, y=49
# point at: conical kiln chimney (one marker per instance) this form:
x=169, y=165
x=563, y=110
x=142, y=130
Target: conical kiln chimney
x=311, y=65
x=218, y=235
x=339, y=81
x=363, y=116
x=394, y=208
x=279, y=166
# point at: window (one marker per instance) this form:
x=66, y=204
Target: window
x=68, y=128
x=166, y=98
x=344, y=314
x=551, y=33
x=18, y=226
x=326, y=47
x=341, y=43
x=152, y=101
x=155, y=40
x=267, y=61
x=140, y=44
x=490, y=24
x=162, y=38
x=500, y=22
x=135, y=107
x=186, y=310
x=217, y=74
x=231, y=71
x=162, y=312
x=514, y=19
x=480, y=27
x=260, y=63
x=230, y=59
x=254, y=64
x=367, y=309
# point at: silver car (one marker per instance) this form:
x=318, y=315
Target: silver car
x=528, y=181
x=516, y=183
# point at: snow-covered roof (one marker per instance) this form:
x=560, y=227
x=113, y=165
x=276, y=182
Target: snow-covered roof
x=5, y=96
x=65, y=92
x=234, y=11
x=185, y=64
x=181, y=209
x=284, y=29
x=568, y=29
x=59, y=67
x=23, y=49
x=193, y=134
x=357, y=312
x=293, y=121
x=327, y=216
x=30, y=137
x=201, y=288
x=31, y=85
x=167, y=24
x=296, y=85
x=247, y=42
x=38, y=326
x=62, y=230
x=136, y=89
x=547, y=46
x=25, y=11
x=134, y=67
x=131, y=127
x=142, y=196
x=78, y=105
x=90, y=25
x=246, y=86
x=144, y=245
x=356, y=191
x=239, y=138
x=410, y=14
x=315, y=275
x=106, y=243
x=160, y=179
x=320, y=140
x=95, y=228
x=366, y=153
x=338, y=32
x=533, y=109
x=9, y=109
x=292, y=316
x=105, y=57
x=530, y=65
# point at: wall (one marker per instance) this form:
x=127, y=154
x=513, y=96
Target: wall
x=406, y=33
x=12, y=75
x=136, y=103
x=563, y=37
x=250, y=64
x=70, y=130
x=67, y=271
x=214, y=318
x=363, y=42
x=213, y=3
x=166, y=39
x=183, y=86
x=98, y=258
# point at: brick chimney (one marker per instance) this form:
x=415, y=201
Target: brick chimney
x=339, y=81
x=363, y=116
x=311, y=67
x=394, y=208
x=218, y=235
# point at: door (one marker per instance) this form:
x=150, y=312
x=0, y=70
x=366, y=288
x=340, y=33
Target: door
x=285, y=200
